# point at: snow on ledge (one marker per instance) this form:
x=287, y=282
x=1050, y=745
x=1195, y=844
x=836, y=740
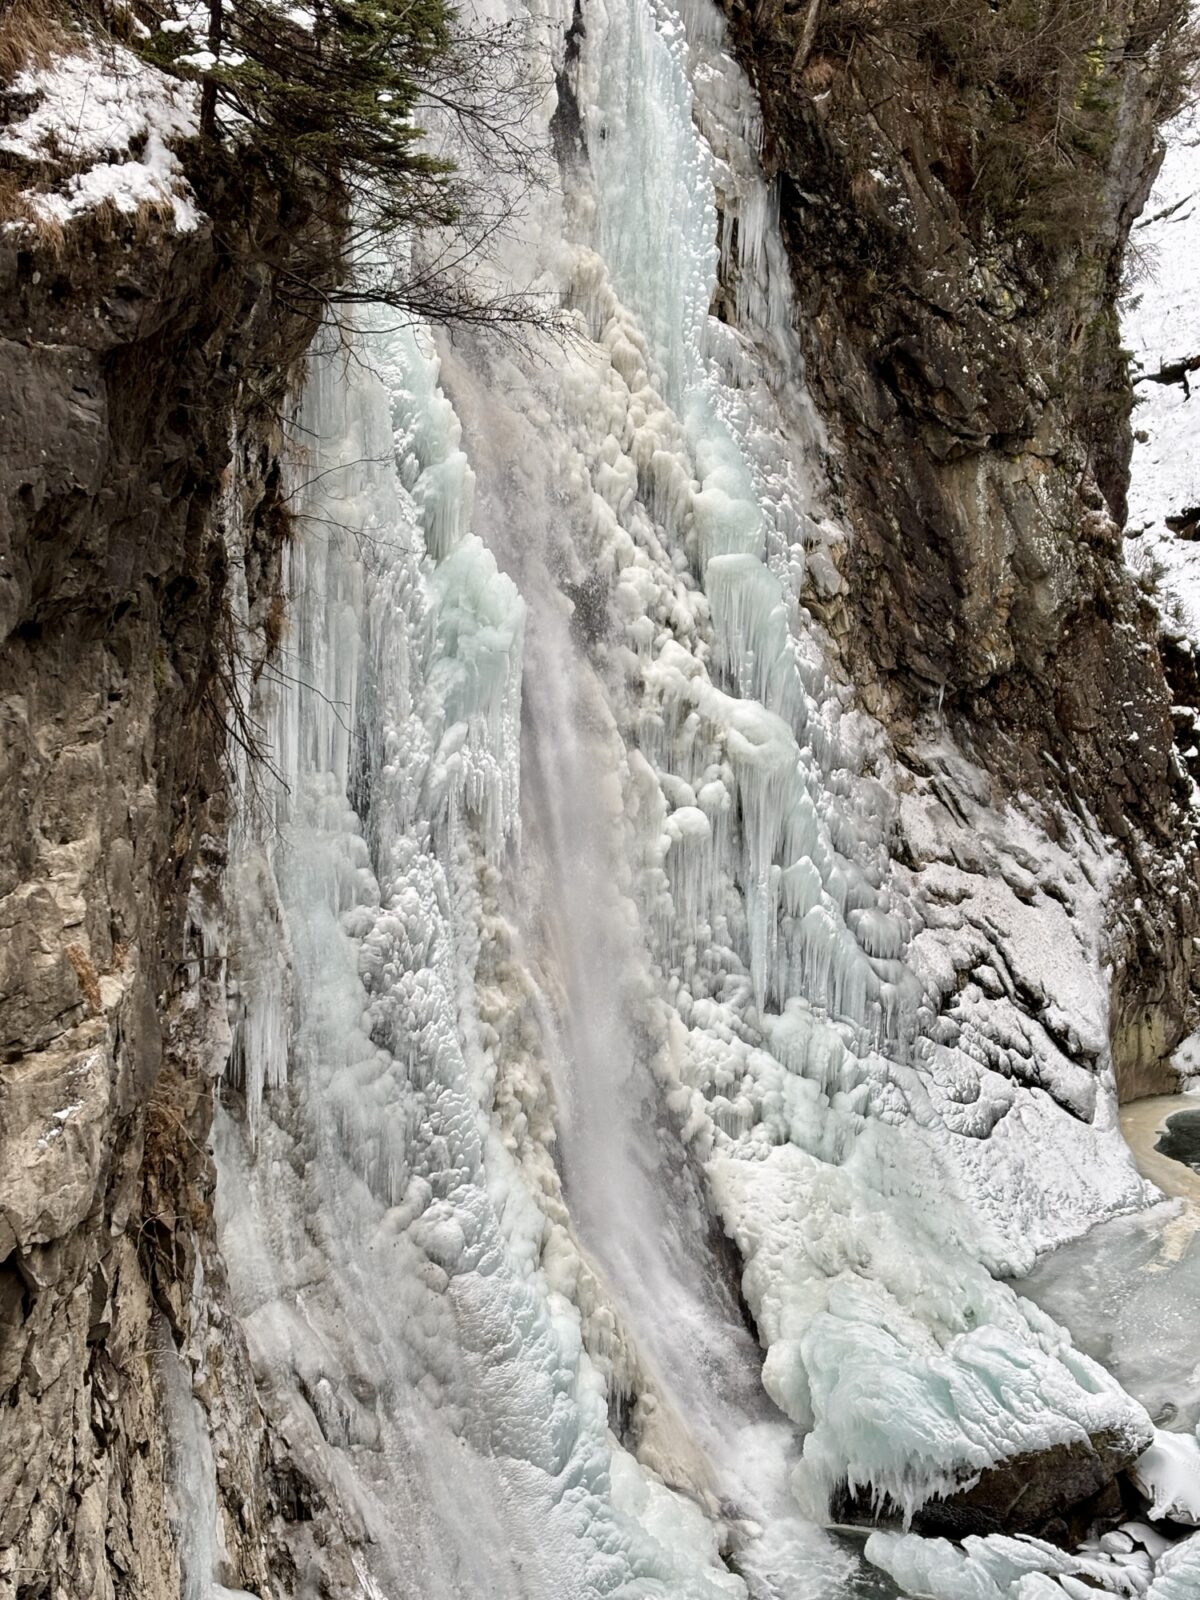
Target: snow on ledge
x=108, y=119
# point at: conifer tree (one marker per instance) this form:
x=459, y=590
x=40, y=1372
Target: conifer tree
x=321, y=99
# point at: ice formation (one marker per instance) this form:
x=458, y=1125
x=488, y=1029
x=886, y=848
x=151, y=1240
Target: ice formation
x=1168, y=1474
x=382, y=1252
x=1127, y=1562
x=1178, y=1575
x=572, y=946
x=1156, y=323
x=1127, y=1292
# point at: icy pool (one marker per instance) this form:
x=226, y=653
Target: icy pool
x=1128, y=1290
x=1150, y=1128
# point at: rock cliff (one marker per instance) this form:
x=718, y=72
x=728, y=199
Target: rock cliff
x=958, y=273
x=142, y=372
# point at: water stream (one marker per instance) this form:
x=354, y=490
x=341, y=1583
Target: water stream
x=636, y=1201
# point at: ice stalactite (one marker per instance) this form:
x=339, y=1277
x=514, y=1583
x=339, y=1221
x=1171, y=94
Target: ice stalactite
x=814, y=1081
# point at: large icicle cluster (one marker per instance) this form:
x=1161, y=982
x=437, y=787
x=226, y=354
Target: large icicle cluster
x=520, y=1079
x=382, y=1254
x=828, y=1064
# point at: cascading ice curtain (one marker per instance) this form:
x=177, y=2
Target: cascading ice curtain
x=585, y=997
x=383, y=1253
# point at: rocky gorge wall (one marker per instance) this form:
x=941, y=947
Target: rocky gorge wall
x=141, y=374
x=970, y=369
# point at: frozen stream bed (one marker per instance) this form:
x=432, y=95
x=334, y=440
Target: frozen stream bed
x=1126, y=1292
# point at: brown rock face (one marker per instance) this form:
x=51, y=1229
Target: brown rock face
x=1033, y=1493
x=1053, y=1494
x=125, y=370
x=965, y=354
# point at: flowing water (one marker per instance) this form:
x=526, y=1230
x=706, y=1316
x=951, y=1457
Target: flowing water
x=636, y=1202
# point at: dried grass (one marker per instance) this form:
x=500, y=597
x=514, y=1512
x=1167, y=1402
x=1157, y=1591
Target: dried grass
x=84, y=233
x=100, y=224
x=818, y=75
x=16, y=205
x=32, y=34
x=89, y=983
x=280, y=521
x=275, y=624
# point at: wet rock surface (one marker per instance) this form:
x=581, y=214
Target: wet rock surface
x=1056, y=1494
x=1180, y=1141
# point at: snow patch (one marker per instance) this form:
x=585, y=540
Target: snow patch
x=107, y=121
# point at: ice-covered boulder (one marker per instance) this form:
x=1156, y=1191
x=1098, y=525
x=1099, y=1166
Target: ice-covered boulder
x=1023, y=1492
x=1168, y=1474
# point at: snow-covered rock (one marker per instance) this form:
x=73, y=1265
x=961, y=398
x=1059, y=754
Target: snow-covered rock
x=1178, y=1574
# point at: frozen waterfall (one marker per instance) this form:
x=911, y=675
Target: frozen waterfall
x=626, y=1167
